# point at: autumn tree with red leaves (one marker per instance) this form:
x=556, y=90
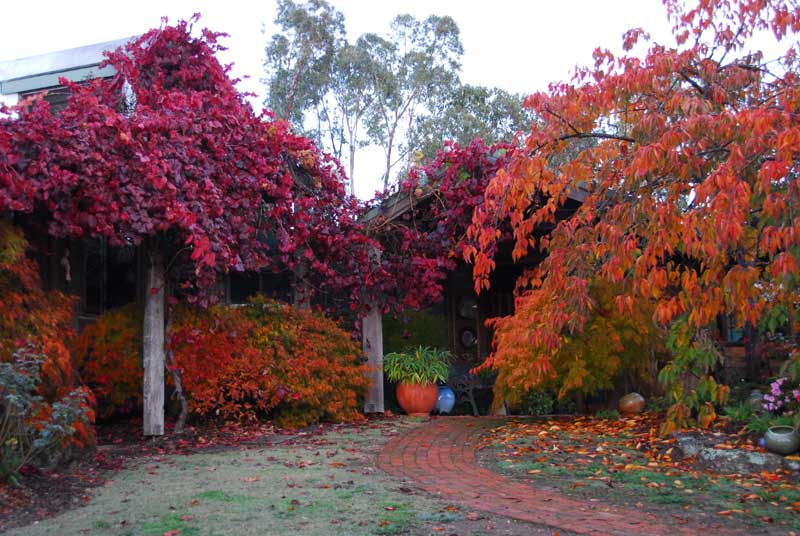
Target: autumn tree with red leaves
x=421, y=246
x=691, y=194
x=165, y=155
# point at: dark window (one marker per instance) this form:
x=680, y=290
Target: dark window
x=56, y=96
x=243, y=286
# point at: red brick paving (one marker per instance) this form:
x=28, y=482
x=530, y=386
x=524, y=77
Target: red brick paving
x=440, y=457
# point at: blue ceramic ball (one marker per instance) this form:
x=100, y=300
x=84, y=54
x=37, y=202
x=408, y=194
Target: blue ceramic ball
x=446, y=401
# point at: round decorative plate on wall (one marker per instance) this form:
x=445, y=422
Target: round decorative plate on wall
x=468, y=338
x=467, y=307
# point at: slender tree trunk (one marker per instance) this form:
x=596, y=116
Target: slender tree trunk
x=580, y=403
x=352, y=168
x=153, y=347
x=388, y=159
x=176, y=375
x=295, y=81
x=302, y=293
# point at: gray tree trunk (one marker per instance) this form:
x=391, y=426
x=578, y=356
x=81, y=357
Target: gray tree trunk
x=153, y=345
x=372, y=340
x=352, y=167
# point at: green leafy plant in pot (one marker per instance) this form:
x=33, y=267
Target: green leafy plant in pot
x=416, y=374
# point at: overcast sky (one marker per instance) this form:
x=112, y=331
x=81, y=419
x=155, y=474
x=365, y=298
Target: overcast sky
x=520, y=46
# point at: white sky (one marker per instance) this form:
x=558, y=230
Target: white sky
x=517, y=45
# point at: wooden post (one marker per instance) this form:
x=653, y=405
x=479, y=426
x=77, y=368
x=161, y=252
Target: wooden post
x=301, y=295
x=372, y=338
x=153, y=345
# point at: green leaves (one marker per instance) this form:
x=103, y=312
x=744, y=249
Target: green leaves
x=694, y=352
x=424, y=366
x=29, y=427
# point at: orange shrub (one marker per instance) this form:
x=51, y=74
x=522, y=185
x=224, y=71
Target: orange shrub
x=318, y=364
x=29, y=315
x=223, y=374
x=107, y=353
x=267, y=359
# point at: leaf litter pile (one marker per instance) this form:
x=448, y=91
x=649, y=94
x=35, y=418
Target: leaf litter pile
x=625, y=462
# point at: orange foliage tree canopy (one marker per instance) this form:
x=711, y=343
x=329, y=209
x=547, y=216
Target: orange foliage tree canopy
x=691, y=183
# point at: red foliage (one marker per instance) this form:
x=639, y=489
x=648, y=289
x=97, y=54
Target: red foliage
x=189, y=163
x=185, y=165
x=425, y=242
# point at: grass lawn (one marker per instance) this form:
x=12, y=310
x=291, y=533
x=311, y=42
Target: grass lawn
x=624, y=462
x=314, y=484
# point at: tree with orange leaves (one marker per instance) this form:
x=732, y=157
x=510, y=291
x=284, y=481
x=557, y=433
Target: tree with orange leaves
x=691, y=193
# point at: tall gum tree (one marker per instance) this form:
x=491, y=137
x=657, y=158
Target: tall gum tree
x=420, y=60
x=188, y=173
x=691, y=189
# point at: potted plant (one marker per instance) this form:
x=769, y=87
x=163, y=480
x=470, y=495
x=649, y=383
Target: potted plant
x=416, y=374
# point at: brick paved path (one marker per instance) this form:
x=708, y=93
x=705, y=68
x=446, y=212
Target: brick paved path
x=440, y=457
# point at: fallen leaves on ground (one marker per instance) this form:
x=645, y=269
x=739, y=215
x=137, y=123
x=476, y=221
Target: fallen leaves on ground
x=586, y=455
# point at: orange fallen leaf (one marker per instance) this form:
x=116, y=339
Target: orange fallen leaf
x=633, y=467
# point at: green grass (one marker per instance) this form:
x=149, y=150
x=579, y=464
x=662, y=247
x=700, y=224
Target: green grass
x=326, y=486
x=221, y=496
x=167, y=523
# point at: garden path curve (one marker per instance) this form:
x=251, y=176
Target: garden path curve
x=439, y=456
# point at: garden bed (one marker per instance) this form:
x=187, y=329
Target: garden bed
x=625, y=462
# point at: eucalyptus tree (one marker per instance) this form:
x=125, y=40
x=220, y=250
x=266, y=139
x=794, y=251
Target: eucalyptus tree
x=420, y=60
x=467, y=112
x=300, y=58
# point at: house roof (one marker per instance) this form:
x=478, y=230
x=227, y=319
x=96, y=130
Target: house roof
x=401, y=202
x=43, y=71
x=397, y=204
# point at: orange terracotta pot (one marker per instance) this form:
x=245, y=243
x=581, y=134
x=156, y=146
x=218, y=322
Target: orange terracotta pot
x=417, y=400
